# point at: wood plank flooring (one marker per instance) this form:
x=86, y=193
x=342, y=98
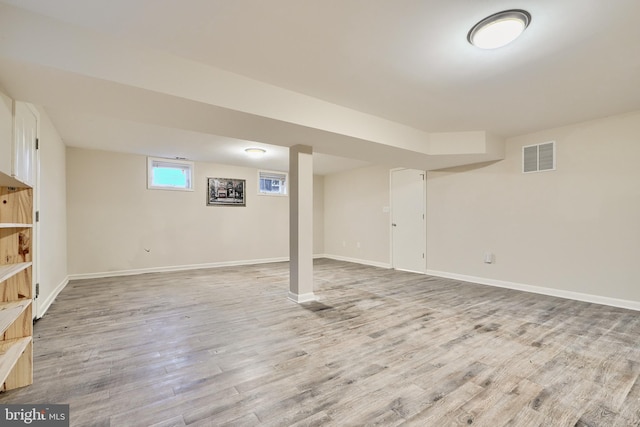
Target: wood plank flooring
x=225, y=347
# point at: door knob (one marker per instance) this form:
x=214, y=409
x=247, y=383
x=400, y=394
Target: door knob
x=394, y=224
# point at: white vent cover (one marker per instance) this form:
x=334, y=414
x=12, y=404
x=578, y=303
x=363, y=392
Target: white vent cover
x=539, y=157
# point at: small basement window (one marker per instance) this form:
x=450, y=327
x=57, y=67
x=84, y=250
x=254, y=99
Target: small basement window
x=272, y=183
x=169, y=174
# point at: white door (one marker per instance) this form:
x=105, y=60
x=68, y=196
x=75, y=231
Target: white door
x=24, y=145
x=408, y=230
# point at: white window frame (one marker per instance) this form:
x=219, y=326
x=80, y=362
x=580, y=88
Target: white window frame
x=286, y=183
x=153, y=162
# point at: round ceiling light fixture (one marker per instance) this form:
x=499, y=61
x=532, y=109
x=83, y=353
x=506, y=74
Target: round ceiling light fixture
x=499, y=29
x=254, y=151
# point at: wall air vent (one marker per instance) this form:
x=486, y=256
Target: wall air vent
x=539, y=157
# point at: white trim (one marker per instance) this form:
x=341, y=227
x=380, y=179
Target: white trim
x=578, y=296
x=117, y=273
x=300, y=298
x=173, y=268
x=357, y=261
x=36, y=238
x=44, y=306
x=409, y=271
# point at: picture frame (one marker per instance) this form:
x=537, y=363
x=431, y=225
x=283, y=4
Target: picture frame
x=226, y=192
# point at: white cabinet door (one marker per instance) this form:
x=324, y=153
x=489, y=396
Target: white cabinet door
x=25, y=134
x=6, y=134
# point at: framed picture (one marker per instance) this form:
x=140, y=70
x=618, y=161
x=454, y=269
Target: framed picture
x=226, y=192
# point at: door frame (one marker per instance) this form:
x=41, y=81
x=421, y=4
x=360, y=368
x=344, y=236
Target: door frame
x=424, y=210
x=36, y=232
x=36, y=225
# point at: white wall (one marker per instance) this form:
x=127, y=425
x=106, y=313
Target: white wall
x=353, y=214
x=318, y=214
x=573, y=232
x=53, y=214
x=576, y=229
x=117, y=225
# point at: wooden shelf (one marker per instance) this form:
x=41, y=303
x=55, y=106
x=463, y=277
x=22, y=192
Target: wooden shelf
x=16, y=205
x=16, y=253
x=10, y=270
x=10, y=353
x=8, y=181
x=10, y=311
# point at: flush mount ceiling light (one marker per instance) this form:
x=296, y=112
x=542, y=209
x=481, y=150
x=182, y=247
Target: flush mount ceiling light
x=499, y=29
x=255, y=151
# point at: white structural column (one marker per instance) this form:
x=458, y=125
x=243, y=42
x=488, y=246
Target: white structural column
x=301, y=223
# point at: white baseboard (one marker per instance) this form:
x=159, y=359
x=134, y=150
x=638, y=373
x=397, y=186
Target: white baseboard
x=300, y=298
x=357, y=261
x=410, y=271
x=578, y=296
x=137, y=271
x=173, y=268
x=44, y=305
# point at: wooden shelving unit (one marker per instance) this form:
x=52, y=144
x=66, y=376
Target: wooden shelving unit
x=16, y=325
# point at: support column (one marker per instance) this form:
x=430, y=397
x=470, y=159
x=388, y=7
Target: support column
x=301, y=223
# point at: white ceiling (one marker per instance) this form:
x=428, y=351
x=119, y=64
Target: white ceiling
x=106, y=133
x=406, y=61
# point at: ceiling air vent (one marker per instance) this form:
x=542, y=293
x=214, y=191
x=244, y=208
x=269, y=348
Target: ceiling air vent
x=539, y=157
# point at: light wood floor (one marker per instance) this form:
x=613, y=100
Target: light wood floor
x=225, y=347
